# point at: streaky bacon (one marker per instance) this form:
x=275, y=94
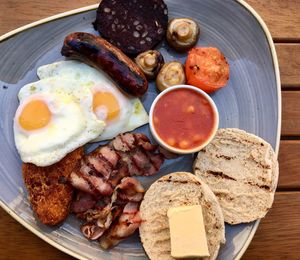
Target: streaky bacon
x=144, y=141
x=124, y=200
x=95, y=213
x=119, y=145
x=80, y=183
x=131, y=185
x=129, y=140
x=91, y=231
x=141, y=160
x=130, y=189
x=132, y=168
x=83, y=202
x=157, y=160
x=112, y=197
x=103, y=169
x=110, y=155
x=127, y=223
x=100, y=165
x=118, y=175
x=104, y=188
x=167, y=154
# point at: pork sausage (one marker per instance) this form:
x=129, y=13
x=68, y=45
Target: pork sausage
x=99, y=53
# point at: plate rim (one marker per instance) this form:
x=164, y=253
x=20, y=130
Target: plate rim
x=268, y=35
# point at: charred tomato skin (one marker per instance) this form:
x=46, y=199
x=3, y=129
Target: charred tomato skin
x=207, y=69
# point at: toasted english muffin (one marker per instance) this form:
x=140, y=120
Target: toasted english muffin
x=49, y=193
x=173, y=190
x=242, y=171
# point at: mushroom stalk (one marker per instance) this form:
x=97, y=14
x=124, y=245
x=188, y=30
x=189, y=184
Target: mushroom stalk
x=150, y=63
x=182, y=33
x=171, y=74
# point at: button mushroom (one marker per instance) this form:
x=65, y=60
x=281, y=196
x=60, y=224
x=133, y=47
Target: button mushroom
x=171, y=74
x=182, y=33
x=150, y=63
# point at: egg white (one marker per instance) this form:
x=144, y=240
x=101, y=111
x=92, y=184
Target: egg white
x=132, y=114
x=72, y=123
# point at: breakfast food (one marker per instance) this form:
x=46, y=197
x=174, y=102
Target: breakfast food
x=133, y=26
x=110, y=219
x=101, y=54
x=94, y=97
x=150, y=63
x=171, y=74
x=120, y=112
x=175, y=190
x=242, y=171
x=126, y=155
x=183, y=119
x=207, y=69
x=108, y=198
x=182, y=33
x=55, y=116
x=129, y=193
x=49, y=192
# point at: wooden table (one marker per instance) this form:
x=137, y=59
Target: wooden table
x=278, y=236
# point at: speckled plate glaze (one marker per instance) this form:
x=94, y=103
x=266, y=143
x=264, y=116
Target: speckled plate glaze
x=251, y=101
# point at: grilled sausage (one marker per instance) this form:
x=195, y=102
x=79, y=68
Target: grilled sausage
x=101, y=54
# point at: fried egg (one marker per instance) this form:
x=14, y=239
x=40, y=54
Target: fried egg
x=55, y=116
x=120, y=112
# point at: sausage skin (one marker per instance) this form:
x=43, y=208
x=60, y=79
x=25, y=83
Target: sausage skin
x=99, y=53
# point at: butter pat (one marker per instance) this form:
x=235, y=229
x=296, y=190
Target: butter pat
x=187, y=232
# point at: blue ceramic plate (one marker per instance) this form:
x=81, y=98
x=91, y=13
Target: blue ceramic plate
x=251, y=101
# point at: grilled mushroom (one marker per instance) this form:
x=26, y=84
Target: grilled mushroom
x=182, y=33
x=150, y=63
x=172, y=73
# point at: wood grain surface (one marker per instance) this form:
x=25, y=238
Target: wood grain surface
x=290, y=113
x=281, y=16
x=289, y=165
x=16, y=242
x=278, y=236
x=289, y=60
x=16, y=13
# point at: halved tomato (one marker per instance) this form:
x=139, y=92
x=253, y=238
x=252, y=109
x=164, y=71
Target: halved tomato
x=207, y=69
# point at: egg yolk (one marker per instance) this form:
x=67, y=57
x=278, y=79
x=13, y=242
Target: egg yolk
x=109, y=101
x=35, y=115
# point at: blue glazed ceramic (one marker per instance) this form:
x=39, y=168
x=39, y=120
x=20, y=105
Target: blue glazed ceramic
x=251, y=101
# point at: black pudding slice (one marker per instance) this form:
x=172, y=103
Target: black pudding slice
x=134, y=26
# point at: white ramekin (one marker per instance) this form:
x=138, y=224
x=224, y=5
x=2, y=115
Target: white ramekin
x=163, y=143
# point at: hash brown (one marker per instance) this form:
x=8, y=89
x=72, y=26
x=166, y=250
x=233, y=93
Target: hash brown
x=49, y=192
